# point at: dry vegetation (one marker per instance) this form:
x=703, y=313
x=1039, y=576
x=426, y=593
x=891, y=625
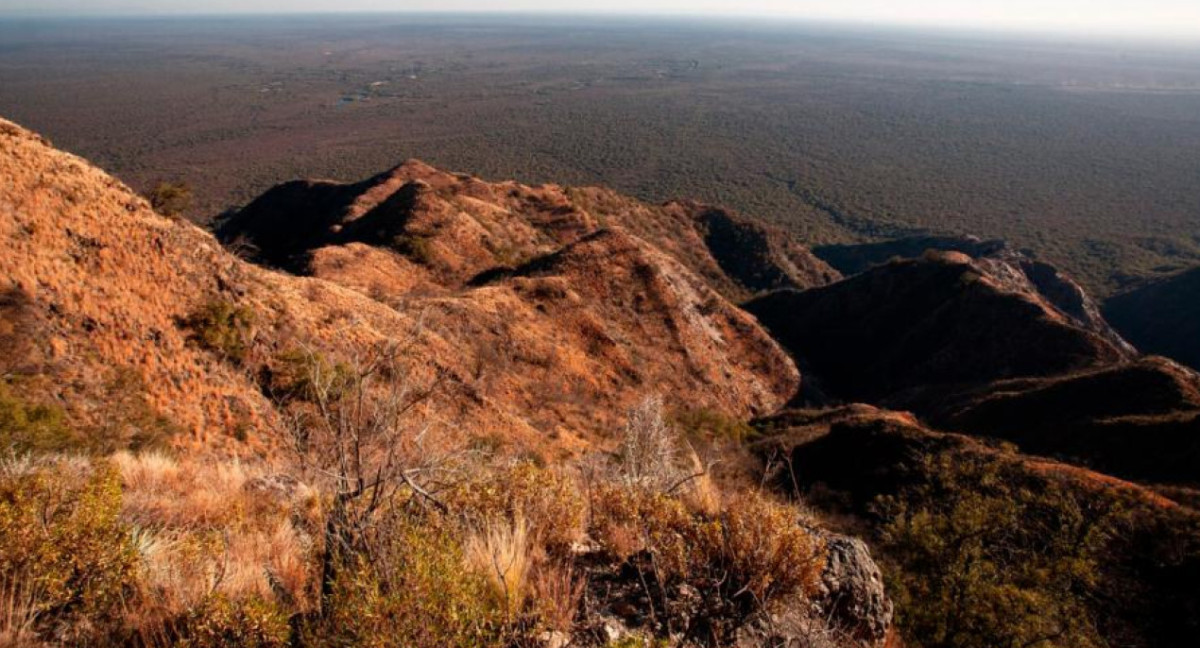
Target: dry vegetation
x=381, y=532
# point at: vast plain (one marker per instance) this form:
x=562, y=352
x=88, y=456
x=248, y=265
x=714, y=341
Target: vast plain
x=1083, y=152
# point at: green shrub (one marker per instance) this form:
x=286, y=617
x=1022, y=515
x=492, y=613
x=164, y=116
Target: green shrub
x=220, y=622
x=61, y=541
x=222, y=327
x=410, y=590
x=170, y=198
x=986, y=557
x=712, y=425
x=308, y=376
x=32, y=428
x=414, y=246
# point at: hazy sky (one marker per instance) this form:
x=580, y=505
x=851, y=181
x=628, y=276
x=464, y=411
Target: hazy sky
x=1167, y=17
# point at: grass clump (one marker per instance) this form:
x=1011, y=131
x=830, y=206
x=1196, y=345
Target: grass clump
x=222, y=327
x=548, y=502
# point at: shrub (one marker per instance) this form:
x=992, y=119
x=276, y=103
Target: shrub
x=649, y=457
x=32, y=428
x=170, y=198
x=711, y=425
x=222, y=327
x=415, y=247
x=220, y=622
x=308, y=376
x=986, y=557
x=411, y=591
x=60, y=536
x=550, y=503
x=753, y=556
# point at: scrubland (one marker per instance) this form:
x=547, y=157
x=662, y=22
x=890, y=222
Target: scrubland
x=443, y=547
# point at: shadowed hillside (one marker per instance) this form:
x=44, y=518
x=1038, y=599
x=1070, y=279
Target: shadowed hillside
x=1162, y=317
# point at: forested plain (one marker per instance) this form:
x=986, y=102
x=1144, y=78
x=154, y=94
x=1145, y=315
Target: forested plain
x=1087, y=153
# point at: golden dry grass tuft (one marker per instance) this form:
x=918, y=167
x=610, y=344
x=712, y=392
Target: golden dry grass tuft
x=502, y=552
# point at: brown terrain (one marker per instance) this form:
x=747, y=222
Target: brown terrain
x=994, y=345
x=1162, y=317
x=587, y=315
x=543, y=314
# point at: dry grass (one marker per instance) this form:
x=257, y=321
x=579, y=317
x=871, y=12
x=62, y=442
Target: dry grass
x=557, y=593
x=19, y=609
x=202, y=529
x=502, y=551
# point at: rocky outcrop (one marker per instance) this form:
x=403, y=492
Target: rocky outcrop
x=1162, y=317
x=852, y=594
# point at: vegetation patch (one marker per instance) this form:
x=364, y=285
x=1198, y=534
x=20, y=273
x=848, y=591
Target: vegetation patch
x=986, y=557
x=222, y=327
x=170, y=198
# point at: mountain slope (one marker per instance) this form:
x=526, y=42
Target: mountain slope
x=944, y=319
x=457, y=226
x=101, y=294
x=1162, y=317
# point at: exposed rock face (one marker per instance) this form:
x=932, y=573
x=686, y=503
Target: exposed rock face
x=457, y=226
x=1162, y=318
x=944, y=319
x=588, y=321
x=852, y=592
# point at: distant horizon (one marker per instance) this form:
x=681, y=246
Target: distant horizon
x=778, y=21
x=1161, y=25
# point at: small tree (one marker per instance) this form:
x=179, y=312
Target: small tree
x=357, y=433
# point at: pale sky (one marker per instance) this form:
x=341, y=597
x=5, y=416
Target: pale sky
x=1174, y=18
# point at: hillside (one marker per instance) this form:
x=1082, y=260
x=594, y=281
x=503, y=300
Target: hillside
x=102, y=290
x=942, y=319
x=1162, y=317
x=995, y=346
